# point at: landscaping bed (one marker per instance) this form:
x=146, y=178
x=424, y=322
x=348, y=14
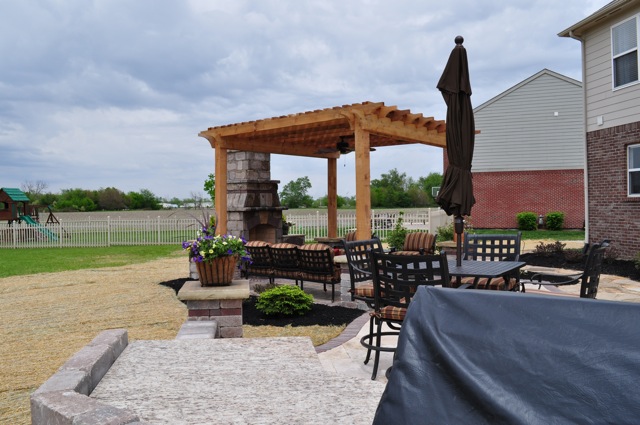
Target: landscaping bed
x=559, y=260
x=320, y=314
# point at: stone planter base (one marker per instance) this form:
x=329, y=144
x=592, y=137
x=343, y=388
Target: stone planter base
x=220, y=303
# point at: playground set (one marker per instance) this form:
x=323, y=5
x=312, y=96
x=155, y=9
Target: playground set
x=15, y=207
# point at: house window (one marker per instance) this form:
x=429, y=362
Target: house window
x=634, y=170
x=624, y=47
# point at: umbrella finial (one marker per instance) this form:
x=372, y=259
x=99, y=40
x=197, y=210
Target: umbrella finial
x=459, y=40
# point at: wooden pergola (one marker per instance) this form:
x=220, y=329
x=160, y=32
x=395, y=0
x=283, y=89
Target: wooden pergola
x=325, y=133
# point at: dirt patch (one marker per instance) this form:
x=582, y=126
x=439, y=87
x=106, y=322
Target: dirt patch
x=48, y=317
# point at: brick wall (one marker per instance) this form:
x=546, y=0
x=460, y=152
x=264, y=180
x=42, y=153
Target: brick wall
x=502, y=195
x=612, y=214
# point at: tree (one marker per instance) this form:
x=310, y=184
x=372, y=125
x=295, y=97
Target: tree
x=295, y=193
x=198, y=198
x=34, y=190
x=176, y=201
x=48, y=199
x=143, y=200
x=342, y=201
x=111, y=199
x=428, y=183
x=210, y=187
x=77, y=200
x=390, y=190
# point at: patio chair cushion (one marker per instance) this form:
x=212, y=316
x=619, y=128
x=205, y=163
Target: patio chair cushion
x=416, y=241
x=334, y=269
x=260, y=264
x=351, y=236
x=364, y=291
x=392, y=313
x=285, y=260
x=283, y=245
x=316, y=247
x=405, y=252
x=257, y=243
x=496, y=284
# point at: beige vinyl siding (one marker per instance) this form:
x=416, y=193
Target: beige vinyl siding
x=520, y=132
x=616, y=107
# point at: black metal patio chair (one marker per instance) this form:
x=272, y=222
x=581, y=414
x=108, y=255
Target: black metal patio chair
x=495, y=247
x=260, y=263
x=589, y=279
x=396, y=279
x=358, y=255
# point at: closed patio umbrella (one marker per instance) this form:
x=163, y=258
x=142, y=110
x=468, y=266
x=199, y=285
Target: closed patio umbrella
x=456, y=193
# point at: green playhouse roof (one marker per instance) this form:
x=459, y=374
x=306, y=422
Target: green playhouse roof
x=15, y=194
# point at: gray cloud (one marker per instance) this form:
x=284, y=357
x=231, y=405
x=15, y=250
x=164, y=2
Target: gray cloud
x=113, y=93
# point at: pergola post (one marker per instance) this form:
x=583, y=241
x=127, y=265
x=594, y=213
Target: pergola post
x=221, y=189
x=363, y=182
x=332, y=197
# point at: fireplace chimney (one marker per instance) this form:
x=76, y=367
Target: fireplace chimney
x=253, y=205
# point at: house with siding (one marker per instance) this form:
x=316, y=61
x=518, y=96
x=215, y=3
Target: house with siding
x=529, y=154
x=610, y=40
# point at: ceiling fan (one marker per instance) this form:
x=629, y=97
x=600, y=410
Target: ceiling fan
x=342, y=146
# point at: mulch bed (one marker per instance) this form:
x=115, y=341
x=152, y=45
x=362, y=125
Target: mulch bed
x=558, y=260
x=320, y=314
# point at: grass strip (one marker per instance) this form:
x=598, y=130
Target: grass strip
x=555, y=235
x=18, y=262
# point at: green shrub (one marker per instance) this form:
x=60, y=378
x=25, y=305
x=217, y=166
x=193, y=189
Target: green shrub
x=636, y=261
x=285, y=300
x=555, y=220
x=527, y=221
x=445, y=233
x=549, y=248
x=396, y=237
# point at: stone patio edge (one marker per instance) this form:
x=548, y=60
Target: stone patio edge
x=64, y=397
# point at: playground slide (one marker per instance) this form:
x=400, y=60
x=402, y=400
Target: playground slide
x=31, y=222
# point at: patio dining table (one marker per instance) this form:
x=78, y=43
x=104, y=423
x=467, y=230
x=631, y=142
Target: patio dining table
x=484, y=269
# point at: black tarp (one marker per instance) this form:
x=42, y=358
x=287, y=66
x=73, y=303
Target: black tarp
x=491, y=357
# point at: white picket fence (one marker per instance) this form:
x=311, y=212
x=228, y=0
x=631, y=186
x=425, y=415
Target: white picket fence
x=167, y=231
x=314, y=224
x=96, y=233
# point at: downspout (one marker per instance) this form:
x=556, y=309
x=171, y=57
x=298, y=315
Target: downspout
x=584, y=113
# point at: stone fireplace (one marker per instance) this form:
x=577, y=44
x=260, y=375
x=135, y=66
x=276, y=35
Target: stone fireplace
x=253, y=205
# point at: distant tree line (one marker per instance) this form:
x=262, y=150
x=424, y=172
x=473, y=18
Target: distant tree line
x=105, y=199
x=391, y=190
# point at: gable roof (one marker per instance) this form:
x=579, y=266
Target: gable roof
x=525, y=82
x=14, y=194
x=614, y=8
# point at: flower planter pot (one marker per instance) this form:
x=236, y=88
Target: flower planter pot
x=217, y=272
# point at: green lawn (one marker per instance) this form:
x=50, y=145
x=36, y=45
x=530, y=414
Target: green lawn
x=15, y=262
x=559, y=235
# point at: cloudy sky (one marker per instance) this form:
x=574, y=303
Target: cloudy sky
x=112, y=93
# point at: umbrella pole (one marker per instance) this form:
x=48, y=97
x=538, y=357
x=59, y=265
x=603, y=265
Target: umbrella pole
x=459, y=228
